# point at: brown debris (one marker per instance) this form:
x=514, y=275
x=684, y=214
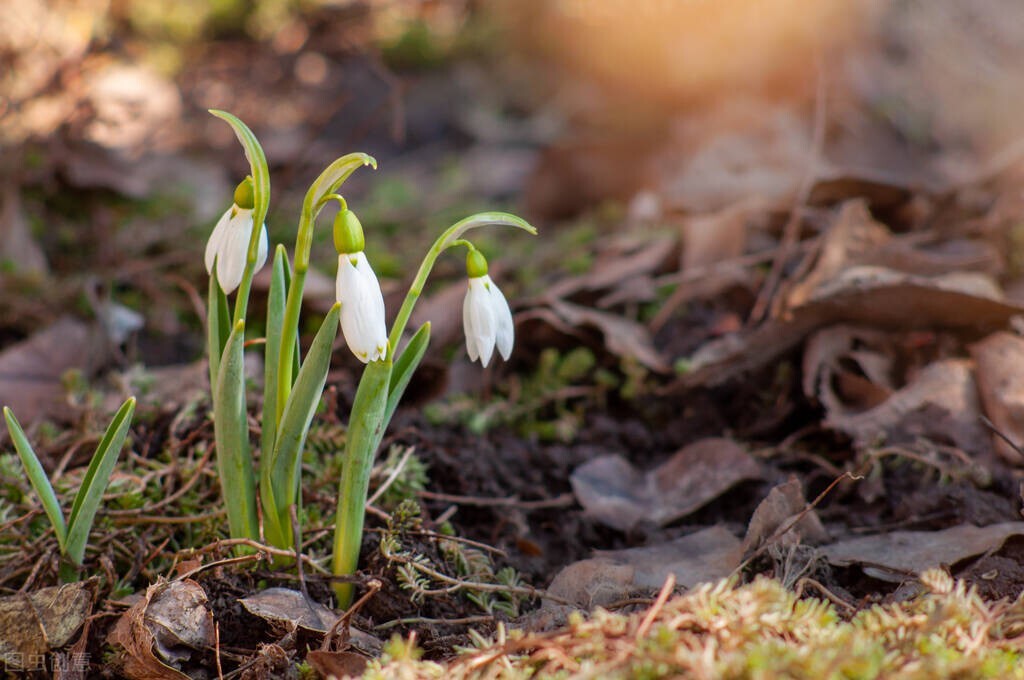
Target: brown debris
x=36, y=623
x=999, y=372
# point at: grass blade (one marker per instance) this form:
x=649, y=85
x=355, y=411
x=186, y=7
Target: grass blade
x=218, y=324
x=90, y=494
x=37, y=477
x=405, y=367
x=275, y=319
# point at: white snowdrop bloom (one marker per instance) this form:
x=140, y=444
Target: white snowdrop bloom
x=229, y=246
x=487, y=320
x=362, y=307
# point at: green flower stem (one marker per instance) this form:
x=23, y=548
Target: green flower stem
x=451, y=237
x=364, y=430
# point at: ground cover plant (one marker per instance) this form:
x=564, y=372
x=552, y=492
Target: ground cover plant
x=761, y=417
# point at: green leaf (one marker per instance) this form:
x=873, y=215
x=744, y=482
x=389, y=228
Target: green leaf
x=37, y=477
x=405, y=367
x=90, y=494
x=231, y=432
x=218, y=324
x=275, y=319
x=484, y=219
x=283, y=482
x=365, y=429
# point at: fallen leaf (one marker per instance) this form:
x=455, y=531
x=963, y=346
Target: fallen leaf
x=939, y=403
x=31, y=370
x=623, y=337
x=18, y=249
x=160, y=634
x=615, y=493
x=33, y=624
x=778, y=510
x=896, y=555
x=707, y=555
x=291, y=608
x=869, y=296
x=337, y=665
x=999, y=372
x=846, y=368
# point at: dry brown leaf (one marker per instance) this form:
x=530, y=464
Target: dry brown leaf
x=282, y=606
x=829, y=357
x=779, y=509
x=999, y=371
x=713, y=237
x=616, y=265
x=31, y=370
x=614, y=492
x=18, y=248
x=623, y=337
x=939, y=403
x=869, y=296
x=33, y=624
x=169, y=624
x=337, y=665
x=895, y=555
x=707, y=555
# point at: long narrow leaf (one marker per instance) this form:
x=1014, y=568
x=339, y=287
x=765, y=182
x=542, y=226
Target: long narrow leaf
x=404, y=368
x=37, y=477
x=275, y=318
x=218, y=324
x=257, y=164
x=295, y=420
x=231, y=431
x=365, y=428
x=90, y=494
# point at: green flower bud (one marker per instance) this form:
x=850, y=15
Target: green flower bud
x=348, y=233
x=476, y=264
x=245, y=196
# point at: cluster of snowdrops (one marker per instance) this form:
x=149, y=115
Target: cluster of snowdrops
x=293, y=383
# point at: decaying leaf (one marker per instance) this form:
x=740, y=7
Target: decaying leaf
x=623, y=337
x=337, y=665
x=31, y=370
x=780, y=509
x=33, y=624
x=899, y=554
x=614, y=492
x=707, y=555
x=868, y=296
x=161, y=633
x=847, y=368
x=290, y=608
x=999, y=371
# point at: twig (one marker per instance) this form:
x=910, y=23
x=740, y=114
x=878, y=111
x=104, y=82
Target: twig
x=791, y=232
x=561, y=501
x=255, y=557
x=442, y=622
x=659, y=603
x=829, y=595
x=200, y=467
x=393, y=476
x=270, y=550
x=216, y=649
x=373, y=586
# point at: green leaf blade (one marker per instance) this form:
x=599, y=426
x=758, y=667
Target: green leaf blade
x=275, y=320
x=404, y=368
x=218, y=324
x=90, y=494
x=37, y=477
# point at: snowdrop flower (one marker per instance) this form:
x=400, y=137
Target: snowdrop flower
x=229, y=243
x=357, y=289
x=486, y=317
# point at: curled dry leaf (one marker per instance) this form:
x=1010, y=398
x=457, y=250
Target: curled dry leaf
x=847, y=368
x=999, y=370
x=623, y=337
x=779, y=510
x=614, y=492
x=707, y=555
x=869, y=296
x=160, y=634
x=896, y=555
x=282, y=606
x=33, y=624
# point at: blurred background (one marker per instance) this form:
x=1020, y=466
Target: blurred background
x=596, y=119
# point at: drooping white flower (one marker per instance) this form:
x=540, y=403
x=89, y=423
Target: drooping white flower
x=362, y=307
x=486, y=320
x=229, y=246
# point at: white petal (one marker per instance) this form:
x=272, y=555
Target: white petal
x=362, y=308
x=506, y=330
x=264, y=248
x=234, y=250
x=478, y=320
x=213, y=245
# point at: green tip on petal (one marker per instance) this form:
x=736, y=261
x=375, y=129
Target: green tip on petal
x=476, y=264
x=348, y=233
x=245, y=194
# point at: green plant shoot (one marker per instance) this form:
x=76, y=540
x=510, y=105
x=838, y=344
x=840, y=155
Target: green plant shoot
x=73, y=533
